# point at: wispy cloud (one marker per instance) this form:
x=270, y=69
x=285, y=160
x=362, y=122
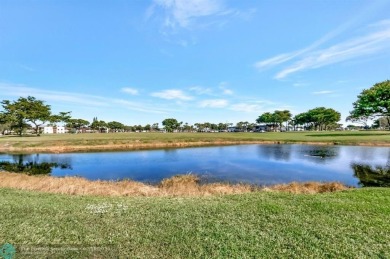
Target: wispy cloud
x=172, y=94
x=375, y=41
x=84, y=100
x=285, y=57
x=300, y=84
x=57, y=96
x=183, y=12
x=258, y=106
x=246, y=107
x=323, y=92
x=362, y=46
x=225, y=90
x=201, y=90
x=214, y=91
x=130, y=90
x=28, y=68
x=137, y=106
x=279, y=59
x=213, y=103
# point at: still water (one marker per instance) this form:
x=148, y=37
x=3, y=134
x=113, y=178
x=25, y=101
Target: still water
x=256, y=164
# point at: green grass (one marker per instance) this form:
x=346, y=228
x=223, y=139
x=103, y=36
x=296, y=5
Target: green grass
x=349, y=224
x=343, y=138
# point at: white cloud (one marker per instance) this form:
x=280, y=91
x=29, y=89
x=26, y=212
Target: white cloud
x=201, y=90
x=214, y=103
x=225, y=90
x=172, y=94
x=136, y=106
x=246, y=107
x=74, y=99
x=323, y=92
x=362, y=46
x=28, y=68
x=300, y=84
x=311, y=57
x=184, y=12
x=129, y=90
x=282, y=58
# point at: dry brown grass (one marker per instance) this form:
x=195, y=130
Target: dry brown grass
x=181, y=185
x=309, y=187
x=189, y=185
x=75, y=185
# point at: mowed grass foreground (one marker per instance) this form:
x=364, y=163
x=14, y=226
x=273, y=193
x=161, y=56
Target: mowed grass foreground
x=128, y=141
x=344, y=224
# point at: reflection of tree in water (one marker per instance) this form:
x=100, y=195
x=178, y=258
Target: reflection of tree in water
x=19, y=159
x=323, y=153
x=32, y=166
x=372, y=176
x=320, y=154
x=277, y=152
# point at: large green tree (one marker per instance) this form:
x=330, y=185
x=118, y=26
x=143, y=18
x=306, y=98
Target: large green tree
x=302, y=119
x=282, y=116
x=171, y=124
x=77, y=124
x=5, y=124
x=98, y=124
x=115, y=126
x=26, y=110
x=372, y=103
x=321, y=118
x=63, y=117
x=274, y=119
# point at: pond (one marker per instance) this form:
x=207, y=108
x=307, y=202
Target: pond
x=255, y=164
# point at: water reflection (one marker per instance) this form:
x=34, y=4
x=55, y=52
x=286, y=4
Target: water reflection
x=287, y=153
x=276, y=152
x=31, y=168
x=31, y=165
x=370, y=176
x=255, y=164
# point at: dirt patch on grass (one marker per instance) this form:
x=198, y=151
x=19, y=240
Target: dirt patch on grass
x=182, y=185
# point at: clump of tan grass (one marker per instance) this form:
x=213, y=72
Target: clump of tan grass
x=309, y=187
x=189, y=185
x=181, y=185
x=75, y=185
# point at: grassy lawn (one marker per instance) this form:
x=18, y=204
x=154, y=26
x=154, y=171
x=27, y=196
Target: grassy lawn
x=134, y=140
x=347, y=224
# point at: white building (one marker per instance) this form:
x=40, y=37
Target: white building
x=48, y=130
x=54, y=130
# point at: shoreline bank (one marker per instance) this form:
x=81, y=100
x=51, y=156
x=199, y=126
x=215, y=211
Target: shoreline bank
x=179, y=185
x=6, y=148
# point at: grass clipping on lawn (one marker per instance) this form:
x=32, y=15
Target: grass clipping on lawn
x=180, y=185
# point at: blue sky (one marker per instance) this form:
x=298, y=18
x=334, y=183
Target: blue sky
x=141, y=61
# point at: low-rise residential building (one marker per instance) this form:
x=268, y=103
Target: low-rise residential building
x=54, y=130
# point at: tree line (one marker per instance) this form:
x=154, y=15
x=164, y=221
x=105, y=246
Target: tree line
x=371, y=104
